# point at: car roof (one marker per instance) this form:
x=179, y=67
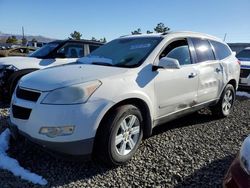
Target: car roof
x=176, y=34
x=78, y=41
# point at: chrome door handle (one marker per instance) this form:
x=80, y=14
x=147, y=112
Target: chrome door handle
x=192, y=75
x=217, y=70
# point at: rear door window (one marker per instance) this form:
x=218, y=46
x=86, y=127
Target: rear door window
x=222, y=51
x=203, y=50
x=92, y=47
x=72, y=50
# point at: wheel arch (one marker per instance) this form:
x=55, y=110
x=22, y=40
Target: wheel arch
x=141, y=105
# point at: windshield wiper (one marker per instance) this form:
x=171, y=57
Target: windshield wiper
x=102, y=63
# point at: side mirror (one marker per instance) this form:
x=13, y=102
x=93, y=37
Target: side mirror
x=167, y=63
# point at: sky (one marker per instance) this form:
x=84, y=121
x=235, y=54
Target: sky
x=114, y=18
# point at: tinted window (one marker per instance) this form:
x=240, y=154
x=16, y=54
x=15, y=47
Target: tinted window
x=221, y=50
x=72, y=50
x=45, y=50
x=244, y=55
x=203, y=50
x=178, y=50
x=92, y=48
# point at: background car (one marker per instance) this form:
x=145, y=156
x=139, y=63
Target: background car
x=238, y=175
x=20, y=51
x=244, y=57
x=52, y=54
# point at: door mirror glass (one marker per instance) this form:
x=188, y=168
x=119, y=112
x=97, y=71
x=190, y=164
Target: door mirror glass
x=169, y=63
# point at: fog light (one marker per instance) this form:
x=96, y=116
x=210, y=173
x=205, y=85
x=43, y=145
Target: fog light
x=57, y=131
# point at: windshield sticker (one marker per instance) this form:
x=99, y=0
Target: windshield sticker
x=139, y=46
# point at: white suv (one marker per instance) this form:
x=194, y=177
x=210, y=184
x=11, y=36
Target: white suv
x=244, y=57
x=121, y=91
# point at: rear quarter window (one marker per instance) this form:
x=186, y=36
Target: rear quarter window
x=222, y=51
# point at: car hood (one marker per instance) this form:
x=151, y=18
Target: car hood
x=62, y=76
x=20, y=62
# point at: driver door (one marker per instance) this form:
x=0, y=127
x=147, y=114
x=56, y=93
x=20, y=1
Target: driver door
x=176, y=89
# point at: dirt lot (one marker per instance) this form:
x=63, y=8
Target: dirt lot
x=194, y=151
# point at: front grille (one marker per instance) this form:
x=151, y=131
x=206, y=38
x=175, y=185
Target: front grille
x=27, y=95
x=20, y=112
x=244, y=73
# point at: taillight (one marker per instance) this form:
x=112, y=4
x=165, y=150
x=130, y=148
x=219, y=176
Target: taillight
x=238, y=62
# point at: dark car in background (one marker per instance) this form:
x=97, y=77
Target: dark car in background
x=59, y=52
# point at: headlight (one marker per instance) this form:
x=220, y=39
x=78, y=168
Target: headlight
x=245, y=155
x=57, y=131
x=75, y=94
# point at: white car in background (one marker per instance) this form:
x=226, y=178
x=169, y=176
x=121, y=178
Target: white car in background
x=244, y=57
x=52, y=54
x=105, y=104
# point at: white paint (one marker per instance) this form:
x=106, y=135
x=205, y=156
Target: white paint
x=243, y=94
x=165, y=91
x=12, y=165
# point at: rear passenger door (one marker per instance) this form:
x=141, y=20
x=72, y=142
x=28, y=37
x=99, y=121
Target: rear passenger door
x=209, y=69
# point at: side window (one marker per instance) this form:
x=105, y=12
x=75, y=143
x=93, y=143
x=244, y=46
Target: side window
x=72, y=50
x=178, y=50
x=92, y=47
x=203, y=50
x=221, y=50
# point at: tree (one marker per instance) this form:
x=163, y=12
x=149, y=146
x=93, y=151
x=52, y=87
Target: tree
x=161, y=28
x=76, y=35
x=136, y=32
x=12, y=40
x=149, y=32
x=103, y=40
x=94, y=39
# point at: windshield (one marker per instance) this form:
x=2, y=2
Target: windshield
x=45, y=50
x=243, y=55
x=126, y=52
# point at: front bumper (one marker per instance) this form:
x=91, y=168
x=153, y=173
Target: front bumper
x=82, y=148
x=236, y=177
x=84, y=117
x=244, y=78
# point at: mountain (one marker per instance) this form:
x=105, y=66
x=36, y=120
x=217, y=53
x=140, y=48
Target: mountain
x=39, y=38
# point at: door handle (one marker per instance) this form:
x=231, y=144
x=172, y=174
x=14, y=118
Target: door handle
x=192, y=75
x=217, y=70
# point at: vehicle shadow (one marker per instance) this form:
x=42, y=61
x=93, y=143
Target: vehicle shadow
x=212, y=174
x=199, y=117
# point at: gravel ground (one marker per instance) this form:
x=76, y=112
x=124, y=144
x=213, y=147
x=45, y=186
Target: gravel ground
x=194, y=151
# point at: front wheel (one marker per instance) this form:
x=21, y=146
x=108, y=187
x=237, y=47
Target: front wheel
x=119, y=136
x=225, y=104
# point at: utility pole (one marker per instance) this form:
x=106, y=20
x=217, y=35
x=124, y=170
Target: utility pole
x=23, y=39
x=225, y=36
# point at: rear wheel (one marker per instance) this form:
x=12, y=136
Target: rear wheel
x=119, y=136
x=225, y=104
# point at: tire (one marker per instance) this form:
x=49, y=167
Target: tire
x=224, y=106
x=113, y=144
